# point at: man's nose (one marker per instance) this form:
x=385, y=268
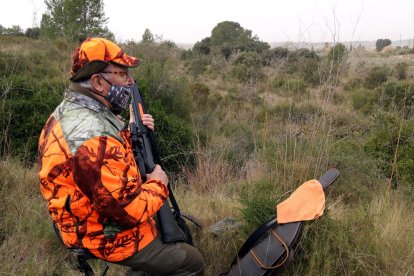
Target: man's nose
x=130, y=79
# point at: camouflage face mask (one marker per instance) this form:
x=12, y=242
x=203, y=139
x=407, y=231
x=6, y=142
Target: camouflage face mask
x=118, y=97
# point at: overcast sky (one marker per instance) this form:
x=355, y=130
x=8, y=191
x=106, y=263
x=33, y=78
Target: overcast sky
x=189, y=21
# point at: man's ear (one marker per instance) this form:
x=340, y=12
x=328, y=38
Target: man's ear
x=97, y=83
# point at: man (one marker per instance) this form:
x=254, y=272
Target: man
x=88, y=174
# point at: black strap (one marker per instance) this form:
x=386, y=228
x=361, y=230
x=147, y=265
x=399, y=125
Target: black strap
x=82, y=255
x=326, y=179
x=174, y=202
x=84, y=266
x=253, y=238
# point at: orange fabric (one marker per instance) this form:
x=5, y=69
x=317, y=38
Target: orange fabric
x=306, y=203
x=98, y=185
x=95, y=48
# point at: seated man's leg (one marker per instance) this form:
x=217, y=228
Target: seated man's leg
x=166, y=259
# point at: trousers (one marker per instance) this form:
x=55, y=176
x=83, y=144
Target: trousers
x=157, y=258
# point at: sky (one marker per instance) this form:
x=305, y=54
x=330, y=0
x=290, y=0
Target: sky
x=189, y=21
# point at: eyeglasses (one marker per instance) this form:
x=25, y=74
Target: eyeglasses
x=122, y=74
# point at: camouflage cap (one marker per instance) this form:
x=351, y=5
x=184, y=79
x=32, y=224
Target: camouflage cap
x=94, y=54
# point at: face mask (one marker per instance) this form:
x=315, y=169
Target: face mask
x=118, y=97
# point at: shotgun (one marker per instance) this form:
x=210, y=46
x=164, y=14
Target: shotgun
x=172, y=226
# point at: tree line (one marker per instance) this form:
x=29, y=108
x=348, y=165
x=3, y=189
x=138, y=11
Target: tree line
x=73, y=19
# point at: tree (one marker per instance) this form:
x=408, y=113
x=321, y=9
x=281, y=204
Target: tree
x=228, y=37
x=32, y=32
x=76, y=19
x=337, y=53
x=14, y=30
x=203, y=47
x=148, y=37
x=381, y=43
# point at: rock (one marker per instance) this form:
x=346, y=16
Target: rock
x=223, y=225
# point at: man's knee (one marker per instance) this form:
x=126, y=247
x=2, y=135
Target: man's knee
x=194, y=263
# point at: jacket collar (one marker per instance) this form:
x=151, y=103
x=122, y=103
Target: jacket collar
x=86, y=98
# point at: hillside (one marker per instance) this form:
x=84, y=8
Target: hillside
x=368, y=45
x=237, y=134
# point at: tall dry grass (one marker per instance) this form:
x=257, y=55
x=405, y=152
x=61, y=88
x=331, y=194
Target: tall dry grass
x=28, y=244
x=256, y=142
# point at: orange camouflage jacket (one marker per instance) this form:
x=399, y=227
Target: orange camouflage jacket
x=91, y=182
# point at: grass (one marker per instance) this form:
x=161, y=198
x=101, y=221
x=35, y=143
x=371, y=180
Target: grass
x=255, y=144
x=363, y=235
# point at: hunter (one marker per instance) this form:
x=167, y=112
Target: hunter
x=88, y=175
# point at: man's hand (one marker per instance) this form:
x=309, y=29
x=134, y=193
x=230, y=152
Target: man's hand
x=158, y=174
x=148, y=121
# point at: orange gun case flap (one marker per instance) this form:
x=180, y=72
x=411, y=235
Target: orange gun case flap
x=306, y=203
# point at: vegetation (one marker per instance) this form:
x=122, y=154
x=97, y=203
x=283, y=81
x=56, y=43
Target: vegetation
x=239, y=126
x=229, y=37
x=75, y=19
x=382, y=43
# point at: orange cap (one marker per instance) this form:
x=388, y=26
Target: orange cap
x=94, y=54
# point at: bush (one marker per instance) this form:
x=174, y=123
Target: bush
x=398, y=96
x=382, y=145
x=401, y=70
x=302, y=61
x=278, y=82
x=274, y=55
x=199, y=90
x=353, y=84
x=377, y=76
x=337, y=53
x=289, y=86
x=310, y=71
x=258, y=201
x=23, y=112
x=364, y=100
x=247, y=67
x=170, y=102
x=198, y=65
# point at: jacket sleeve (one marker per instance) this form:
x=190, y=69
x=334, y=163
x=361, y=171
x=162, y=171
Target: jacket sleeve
x=103, y=171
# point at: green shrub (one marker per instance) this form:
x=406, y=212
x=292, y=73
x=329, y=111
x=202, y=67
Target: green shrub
x=278, y=82
x=170, y=102
x=295, y=85
x=383, y=141
x=353, y=84
x=289, y=86
x=401, y=70
x=296, y=60
x=25, y=108
x=198, y=65
x=311, y=72
x=247, y=67
x=258, y=201
x=273, y=56
x=377, y=76
x=397, y=96
x=364, y=100
x=199, y=90
x=405, y=51
x=337, y=53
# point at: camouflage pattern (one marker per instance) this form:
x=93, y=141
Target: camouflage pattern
x=91, y=182
x=94, y=54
